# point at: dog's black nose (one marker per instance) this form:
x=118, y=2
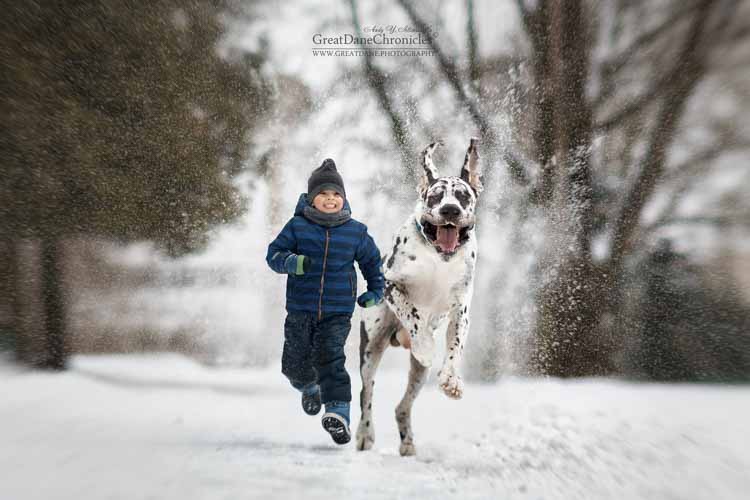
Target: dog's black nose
x=450, y=211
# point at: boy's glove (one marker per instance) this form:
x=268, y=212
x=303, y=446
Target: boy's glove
x=297, y=264
x=368, y=299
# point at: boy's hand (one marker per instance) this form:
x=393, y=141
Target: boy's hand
x=368, y=299
x=297, y=264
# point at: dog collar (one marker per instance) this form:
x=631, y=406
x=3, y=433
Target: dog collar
x=420, y=232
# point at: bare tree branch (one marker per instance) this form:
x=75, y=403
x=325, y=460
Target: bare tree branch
x=472, y=45
x=719, y=221
x=726, y=15
x=377, y=81
x=738, y=34
x=671, y=208
x=516, y=165
x=572, y=113
x=537, y=26
x=526, y=16
x=700, y=161
x=690, y=172
x=617, y=62
x=688, y=69
x=636, y=105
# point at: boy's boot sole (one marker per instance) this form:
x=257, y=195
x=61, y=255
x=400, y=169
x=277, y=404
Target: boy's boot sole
x=336, y=426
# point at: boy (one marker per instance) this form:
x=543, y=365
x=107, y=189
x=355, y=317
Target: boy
x=317, y=249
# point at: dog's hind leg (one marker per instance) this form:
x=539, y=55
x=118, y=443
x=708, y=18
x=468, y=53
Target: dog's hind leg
x=376, y=328
x=417, y=377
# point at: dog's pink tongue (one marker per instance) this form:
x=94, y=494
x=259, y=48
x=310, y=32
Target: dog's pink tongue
x=447, y=238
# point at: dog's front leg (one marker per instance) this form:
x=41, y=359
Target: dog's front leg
x=458, y=329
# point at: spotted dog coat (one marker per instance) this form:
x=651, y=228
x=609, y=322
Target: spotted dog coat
x=429, y=284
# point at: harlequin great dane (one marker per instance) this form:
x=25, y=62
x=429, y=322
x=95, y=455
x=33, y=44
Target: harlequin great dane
x=429, y=281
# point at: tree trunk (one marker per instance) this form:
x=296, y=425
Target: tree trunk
x=569, y=299
x=54, y=304
x=17, y=322
x=543, y=133
x=569, y=310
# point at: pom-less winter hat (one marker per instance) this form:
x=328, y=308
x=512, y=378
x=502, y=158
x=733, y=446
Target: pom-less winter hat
x=325, y=177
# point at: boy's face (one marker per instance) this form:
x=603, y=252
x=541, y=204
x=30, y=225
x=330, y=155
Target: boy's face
x=328, y=201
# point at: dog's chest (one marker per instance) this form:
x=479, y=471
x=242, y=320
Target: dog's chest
x=430, y=280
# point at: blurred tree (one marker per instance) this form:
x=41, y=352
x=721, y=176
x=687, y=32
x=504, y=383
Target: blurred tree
x=586, y=93
x=690, y=329
x=120, y=120
x=599, y=129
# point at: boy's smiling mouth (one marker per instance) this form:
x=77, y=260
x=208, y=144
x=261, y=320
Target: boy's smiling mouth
x=330, y=207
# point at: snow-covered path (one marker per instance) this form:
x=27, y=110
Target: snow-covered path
x=163, y=427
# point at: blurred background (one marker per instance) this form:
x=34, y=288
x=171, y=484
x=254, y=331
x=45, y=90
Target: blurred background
x=150, y=151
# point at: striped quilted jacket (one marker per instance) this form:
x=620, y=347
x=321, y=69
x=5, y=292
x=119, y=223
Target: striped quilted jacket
x=330, y=285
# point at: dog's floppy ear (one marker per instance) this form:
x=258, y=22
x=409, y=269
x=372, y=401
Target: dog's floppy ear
x=470, y=169
x=430, y=173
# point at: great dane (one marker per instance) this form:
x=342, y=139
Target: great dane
x=429, y=281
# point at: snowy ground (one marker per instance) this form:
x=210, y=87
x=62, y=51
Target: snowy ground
x=163, y=427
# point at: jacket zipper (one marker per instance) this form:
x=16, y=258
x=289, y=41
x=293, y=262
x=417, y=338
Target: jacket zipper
x=322, y=278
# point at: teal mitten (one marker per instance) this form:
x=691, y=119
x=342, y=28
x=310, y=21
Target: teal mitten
x=297, y=264
x=369, y=299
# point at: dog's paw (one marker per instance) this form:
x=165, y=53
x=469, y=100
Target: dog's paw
x=407, y=449
x=451, y=384
x=365, y=441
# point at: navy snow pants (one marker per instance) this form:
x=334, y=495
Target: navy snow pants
x=314, y=353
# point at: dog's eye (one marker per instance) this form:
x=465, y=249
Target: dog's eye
x=463, y=197
x=434, y=198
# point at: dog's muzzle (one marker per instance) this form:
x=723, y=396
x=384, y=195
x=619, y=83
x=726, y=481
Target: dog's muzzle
x=446, y=236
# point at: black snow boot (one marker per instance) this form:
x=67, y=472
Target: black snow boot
x=311, y=401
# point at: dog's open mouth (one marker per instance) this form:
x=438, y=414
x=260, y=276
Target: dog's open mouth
x=446, y=237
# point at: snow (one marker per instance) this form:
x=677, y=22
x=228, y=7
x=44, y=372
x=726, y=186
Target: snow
x=163, y=426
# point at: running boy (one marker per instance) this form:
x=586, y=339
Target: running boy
x=317, y=249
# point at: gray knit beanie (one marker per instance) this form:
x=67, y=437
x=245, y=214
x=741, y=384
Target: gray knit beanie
x=325, y=177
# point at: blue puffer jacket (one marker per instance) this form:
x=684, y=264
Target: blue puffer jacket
x=330, y=286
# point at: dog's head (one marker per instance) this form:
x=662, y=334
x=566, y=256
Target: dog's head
x=448, y=204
